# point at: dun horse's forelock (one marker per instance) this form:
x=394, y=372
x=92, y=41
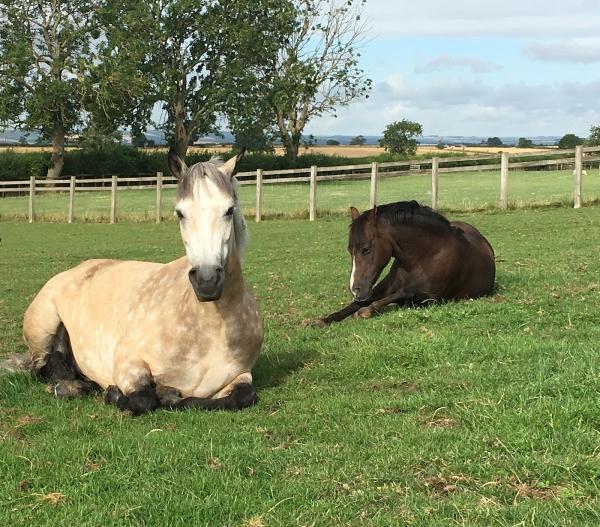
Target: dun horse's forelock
x=208, y=170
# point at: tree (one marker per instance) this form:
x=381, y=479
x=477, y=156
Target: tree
x=494, y=141
x=332, y=142
x=359, y=140
x=97, y=138
x=524, y=143
x=194, y=57
x=254, y=139
x=399, y=137
x=594, y=137
x=309, y=141
x=570, y=141
x=316, y=69
x=45, y=49
x=139, y=139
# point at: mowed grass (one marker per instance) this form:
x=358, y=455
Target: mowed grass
x=481, y=412
x=457, y=192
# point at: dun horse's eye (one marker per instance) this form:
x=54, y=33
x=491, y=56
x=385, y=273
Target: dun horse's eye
x=179, y=214
x=229, y=212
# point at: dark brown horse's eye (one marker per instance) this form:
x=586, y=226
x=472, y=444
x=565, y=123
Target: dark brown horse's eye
x=365, y=250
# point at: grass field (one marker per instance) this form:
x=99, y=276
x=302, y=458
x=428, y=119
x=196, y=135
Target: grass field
x=475, y=413
x=457, y=192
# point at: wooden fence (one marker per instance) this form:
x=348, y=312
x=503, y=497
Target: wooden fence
x=373, y=171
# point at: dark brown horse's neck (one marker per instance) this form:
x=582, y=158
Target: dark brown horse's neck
x=413, y=243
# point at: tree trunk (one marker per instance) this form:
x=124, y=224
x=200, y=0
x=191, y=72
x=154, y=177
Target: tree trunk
x=181, y=136
x=291, y=146
x=57, y=160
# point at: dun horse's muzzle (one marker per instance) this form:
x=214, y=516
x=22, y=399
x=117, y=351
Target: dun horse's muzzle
x=207, y=282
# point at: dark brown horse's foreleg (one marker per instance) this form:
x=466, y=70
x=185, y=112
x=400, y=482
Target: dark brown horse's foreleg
x=379, y=291
x=403, y=295
x=242, y=396
x=340, y=315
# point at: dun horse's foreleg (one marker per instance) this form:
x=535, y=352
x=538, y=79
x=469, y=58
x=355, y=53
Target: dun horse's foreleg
x=134, y=388
x=241, y=396
x=140, y=401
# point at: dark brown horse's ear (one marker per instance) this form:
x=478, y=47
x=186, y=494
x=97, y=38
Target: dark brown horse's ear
x=177, y=165
x=230, y=167
x=353, y=213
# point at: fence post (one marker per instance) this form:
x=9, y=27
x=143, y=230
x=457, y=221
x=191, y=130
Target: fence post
x=159, y=185
x=504, y=180
x=71, y=200
x=434, y=183
x=374, y=174
x=31, y=199
x=113, y=200
x=312, y=199
x=578, y=167
x=259, y=187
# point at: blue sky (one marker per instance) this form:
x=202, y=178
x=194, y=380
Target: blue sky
x=514, y=68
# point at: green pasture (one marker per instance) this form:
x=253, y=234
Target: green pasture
x=477, y=413
x=466, y=191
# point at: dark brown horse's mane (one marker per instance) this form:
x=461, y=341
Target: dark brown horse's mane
x=405, y=213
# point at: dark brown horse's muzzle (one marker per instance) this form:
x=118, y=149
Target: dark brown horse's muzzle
x=361, y=292
x=207, y=282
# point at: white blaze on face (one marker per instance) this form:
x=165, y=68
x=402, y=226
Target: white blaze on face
x=206, y=228
x=352, y=274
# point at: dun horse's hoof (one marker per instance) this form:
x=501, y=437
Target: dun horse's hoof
x=167, y=395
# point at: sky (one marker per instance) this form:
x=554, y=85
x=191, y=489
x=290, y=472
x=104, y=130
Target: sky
x=513, y=68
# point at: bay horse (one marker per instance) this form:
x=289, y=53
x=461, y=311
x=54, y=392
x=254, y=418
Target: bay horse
x=177, y=335
x=434, y=259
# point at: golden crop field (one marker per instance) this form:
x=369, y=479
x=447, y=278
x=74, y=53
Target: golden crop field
x=341, y=150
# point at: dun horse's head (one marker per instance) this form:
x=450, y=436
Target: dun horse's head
x=369, y=251
x=210, y=220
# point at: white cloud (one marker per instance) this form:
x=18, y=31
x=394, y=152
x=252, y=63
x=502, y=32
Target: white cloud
x=471, y=108
x=447, y=62
x=569, y=51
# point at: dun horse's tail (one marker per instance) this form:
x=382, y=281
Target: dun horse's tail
x=15, y=362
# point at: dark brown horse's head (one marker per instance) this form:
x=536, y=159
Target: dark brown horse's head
x=369, y=251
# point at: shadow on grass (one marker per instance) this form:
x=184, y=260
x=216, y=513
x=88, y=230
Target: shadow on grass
x=274, y=367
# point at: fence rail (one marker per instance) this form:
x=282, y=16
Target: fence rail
x=313, y=175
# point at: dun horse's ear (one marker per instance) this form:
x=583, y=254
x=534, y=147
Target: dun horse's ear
x=230, y=167
x=353, y=213
x=177, y=165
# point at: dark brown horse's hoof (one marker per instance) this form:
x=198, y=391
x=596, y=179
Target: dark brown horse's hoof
x=316, y=323
x=364, y=312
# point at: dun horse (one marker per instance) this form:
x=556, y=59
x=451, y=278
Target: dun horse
x=177, y=335
x=434, y=259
